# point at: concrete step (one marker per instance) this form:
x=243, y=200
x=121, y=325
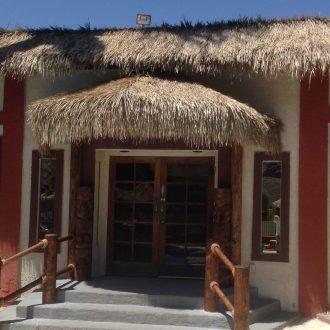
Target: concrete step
x=168, y=293
x=131, y=314
x=137, y=303
x=49, y=324
x=130, y=298
x=262, y=308
x=136, y=314
x=25, y=308
x=8, y=315
x=276, y=321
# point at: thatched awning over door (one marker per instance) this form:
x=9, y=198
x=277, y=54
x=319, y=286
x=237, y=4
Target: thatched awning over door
x=144, y=108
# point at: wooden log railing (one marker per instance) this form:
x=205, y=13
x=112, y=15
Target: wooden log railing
x=41, y=245
x=48, y=280
x=213, y=292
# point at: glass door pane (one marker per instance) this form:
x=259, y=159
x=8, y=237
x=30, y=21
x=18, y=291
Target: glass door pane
x=187, y=188
x=133, y=186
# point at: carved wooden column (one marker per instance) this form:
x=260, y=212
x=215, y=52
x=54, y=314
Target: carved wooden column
x=236, y=181
x=84, y=232
x=81, y=218
x=222, y=215
x=222, y=228
x=75, y=176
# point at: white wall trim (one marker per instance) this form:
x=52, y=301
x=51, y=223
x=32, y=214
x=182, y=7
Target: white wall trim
x=102, y=161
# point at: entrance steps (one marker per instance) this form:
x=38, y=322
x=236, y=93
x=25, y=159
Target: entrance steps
x=118, y=303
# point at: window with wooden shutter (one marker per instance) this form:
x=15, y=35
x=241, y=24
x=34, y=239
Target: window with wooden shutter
x=46, y=194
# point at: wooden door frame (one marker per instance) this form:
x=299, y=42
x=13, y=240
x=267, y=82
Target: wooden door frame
x=102, y=161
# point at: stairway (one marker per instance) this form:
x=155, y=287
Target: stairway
x=118, y=303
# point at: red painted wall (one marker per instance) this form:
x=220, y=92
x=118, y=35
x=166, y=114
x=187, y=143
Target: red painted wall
x=12, y=119
x=313, y=178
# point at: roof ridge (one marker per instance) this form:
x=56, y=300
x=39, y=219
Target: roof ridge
x=243, y=22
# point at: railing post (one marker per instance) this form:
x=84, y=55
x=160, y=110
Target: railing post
x=241, y=298
x=211, y=274
x=50, y=265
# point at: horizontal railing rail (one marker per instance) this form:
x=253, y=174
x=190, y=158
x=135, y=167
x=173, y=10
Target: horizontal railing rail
x=48, y=280
x=65, y=238
x=240, y=308
x=4, y=300
x=216, y=250
x=41, y=245
x=216, y=288
x=69, y=269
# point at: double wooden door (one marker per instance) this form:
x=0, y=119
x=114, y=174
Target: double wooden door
x=159, y=215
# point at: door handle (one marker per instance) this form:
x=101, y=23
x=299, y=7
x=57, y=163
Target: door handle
x=163, y=194
x=160, y=206
x=156, y=209
x=162, y=213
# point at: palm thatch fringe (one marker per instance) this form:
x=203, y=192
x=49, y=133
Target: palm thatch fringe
x=143, y=108
x=298, y=46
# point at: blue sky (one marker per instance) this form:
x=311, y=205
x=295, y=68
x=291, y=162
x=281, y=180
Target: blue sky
x=121, y=13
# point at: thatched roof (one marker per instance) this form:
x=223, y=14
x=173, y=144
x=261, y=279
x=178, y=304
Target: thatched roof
x=143, y=108
x=295, y=46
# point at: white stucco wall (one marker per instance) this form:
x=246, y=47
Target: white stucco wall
x=37, y=88
x=279, y=97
